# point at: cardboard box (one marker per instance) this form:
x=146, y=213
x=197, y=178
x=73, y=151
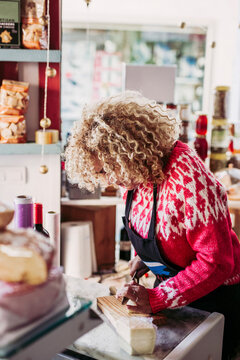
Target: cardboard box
x=9, y=24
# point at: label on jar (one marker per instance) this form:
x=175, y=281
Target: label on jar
x=125, y=245
x=220, y=138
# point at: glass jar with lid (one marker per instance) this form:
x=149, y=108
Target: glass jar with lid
x=221, y=102
x=185, y=112
x=219, y=136
x=185, y=117
x=218, y=161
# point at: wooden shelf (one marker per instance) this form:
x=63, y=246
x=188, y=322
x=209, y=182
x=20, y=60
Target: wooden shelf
x=29, y=148
x=26, y=55
x=103, y=201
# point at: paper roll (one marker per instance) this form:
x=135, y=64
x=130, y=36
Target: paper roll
x=77, y=249
x=46, y=136
x=52, y=225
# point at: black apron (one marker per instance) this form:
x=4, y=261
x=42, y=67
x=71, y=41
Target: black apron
x=147, y=249
x=225, y=299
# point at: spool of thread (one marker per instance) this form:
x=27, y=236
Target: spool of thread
x=23, y=217
x=52, y=225
x=44, y=137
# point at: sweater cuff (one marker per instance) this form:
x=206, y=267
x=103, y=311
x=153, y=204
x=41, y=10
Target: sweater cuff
x=156, y=299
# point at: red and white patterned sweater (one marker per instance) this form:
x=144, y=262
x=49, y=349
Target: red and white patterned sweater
x=193, y=229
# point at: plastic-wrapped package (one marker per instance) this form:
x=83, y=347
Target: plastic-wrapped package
x=34, y=24
x=12, y=129
x=14, y=97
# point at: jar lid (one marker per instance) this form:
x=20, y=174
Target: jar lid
x=218, y=156
x=219, y=122
x=222, y=88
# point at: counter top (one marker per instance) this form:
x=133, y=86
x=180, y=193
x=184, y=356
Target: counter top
x=185, y=330
x=103, y=201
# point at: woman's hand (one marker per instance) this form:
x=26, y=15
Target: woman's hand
x=138, y=294
x=138, y=265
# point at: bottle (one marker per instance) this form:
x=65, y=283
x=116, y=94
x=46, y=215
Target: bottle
x=201, y=146
x=201, y=124
x=23, y=215
x=125, y=246
x=38, y=219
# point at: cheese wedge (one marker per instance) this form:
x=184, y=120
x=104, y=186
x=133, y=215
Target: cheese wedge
x=137, y=333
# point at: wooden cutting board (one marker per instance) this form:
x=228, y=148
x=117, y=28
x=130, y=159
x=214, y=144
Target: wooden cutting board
x=114, y=310
x=138, y=331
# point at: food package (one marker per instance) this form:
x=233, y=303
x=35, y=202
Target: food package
x=9, y=24
x=34, y=24
x=14, y=97
x=30, y=286
x=12, y=129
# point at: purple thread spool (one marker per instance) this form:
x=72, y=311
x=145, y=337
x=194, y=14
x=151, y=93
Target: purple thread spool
x=23, y=216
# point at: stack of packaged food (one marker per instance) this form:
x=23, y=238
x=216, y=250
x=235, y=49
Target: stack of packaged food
x=13, y=105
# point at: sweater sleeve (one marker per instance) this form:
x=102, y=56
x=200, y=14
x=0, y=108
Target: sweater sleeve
x=208, y=232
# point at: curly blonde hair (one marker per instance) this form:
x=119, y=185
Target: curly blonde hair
x=128, y=134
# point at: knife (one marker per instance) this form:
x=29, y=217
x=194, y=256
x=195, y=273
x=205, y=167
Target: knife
x=134, y=277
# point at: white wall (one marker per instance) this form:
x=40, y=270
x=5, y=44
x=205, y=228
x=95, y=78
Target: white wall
x=221, y=16
x=43, y=188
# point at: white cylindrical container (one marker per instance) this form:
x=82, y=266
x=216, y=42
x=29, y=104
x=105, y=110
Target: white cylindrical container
x=52, y=225
x=76, y=249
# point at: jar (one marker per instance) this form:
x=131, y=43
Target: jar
x=218, y=162
x=221, y=102
x=220, y=136
x=185, y=112
x=172, y=109
x=184, y=132
x=201, y=146
x=201, y=125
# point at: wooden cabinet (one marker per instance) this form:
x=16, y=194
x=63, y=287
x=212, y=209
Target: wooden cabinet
x=103, y=219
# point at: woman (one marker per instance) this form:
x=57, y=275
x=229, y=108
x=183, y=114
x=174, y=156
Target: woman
x=176, y=214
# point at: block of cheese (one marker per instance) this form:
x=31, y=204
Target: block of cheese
x=139, y=334
x=137, y=331
x=25, y=256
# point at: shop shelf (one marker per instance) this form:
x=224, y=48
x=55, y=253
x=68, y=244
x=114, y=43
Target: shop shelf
x=189, y=81
x=26, y=55
x=29, y=148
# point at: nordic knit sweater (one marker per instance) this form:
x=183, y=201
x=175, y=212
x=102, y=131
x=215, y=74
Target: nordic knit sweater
x=193, y=230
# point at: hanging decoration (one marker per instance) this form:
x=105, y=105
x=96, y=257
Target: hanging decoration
x=213, y=44
x=45, y=122
x=87, y=2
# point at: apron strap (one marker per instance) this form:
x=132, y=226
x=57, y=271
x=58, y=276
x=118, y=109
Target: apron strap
x=128, y=204
x=151, y=232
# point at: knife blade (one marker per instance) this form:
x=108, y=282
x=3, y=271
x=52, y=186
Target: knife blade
x=134, y=277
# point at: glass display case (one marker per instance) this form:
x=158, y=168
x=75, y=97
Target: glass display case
x=92, y=63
